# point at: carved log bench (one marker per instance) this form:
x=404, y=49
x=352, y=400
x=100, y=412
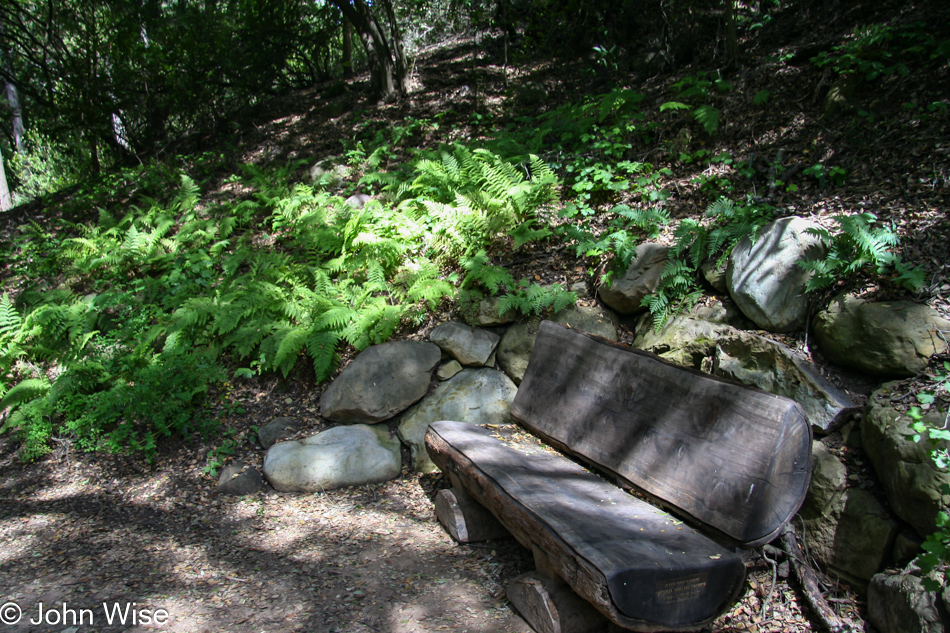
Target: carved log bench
x=731, y=463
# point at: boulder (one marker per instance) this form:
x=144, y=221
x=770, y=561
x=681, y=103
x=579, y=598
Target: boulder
x=769, y=365
x=329, y=172
x=689, y=339
x=357, y=200
x=479, y=396
x=488, y=314
x=626, y=293
x=887, y=338
x=468, y=345
x=382, y=381
x=239, y=479
x=703, y=339
x=829, y=480
x=590, y=319
x=910, y=478
x=335, y=458
x=278, y=429
x=715, y=275
x=764, y=278
x=854, y=538
x=514, y=350
x=899, y=603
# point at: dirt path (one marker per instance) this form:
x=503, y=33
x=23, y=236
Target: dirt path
x=363, y=559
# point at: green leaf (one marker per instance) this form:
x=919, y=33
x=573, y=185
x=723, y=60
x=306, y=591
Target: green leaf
x=708, y=116
x=673, y=105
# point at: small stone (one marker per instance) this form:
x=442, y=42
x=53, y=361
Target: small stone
x=448, y=370
x=278, y=429
x=239, y=479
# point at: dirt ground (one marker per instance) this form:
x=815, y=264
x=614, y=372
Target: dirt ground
x=84, y=536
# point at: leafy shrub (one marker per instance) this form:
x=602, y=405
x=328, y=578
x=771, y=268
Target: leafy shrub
x=697, y=89
x=44, y=168
x=522, y=296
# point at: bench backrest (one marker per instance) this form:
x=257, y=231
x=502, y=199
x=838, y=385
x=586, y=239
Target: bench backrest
x=732, y=457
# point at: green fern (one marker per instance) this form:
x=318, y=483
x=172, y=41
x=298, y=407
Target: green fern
x=859, y=245
x=534, y=299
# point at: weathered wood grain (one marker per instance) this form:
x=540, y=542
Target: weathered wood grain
x=466, y=520
x=735, y=458
x=550, y=606
x=636, y=564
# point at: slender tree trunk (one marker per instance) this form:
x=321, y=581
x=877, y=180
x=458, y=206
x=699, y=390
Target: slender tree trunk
x=18, y=131
x=732, y=38
x=6, y=202
x=399, y=52
x=347, y=48
x=385, y=76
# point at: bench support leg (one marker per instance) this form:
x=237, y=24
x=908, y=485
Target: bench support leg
x=550, y=606
x=465, y=519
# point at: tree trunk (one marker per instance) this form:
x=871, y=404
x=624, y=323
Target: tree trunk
x=387, y=78
x=347, y=48
x=399, y=52
x=6, y=202
x=18, y=132
x=732, y=38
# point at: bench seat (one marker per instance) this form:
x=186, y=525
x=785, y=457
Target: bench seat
x=659, y=572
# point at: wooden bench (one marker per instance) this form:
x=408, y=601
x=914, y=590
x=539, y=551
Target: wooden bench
x=731, y=463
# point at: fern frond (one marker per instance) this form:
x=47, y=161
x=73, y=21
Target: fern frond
x=25, y=391
x=321, y=346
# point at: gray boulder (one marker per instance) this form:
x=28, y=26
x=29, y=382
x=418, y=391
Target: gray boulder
x=689, y=339
x=773, y=367
x=899, y=603
x=479, y=396
x=357, y=200
x=488, y=314
x=590, y=319
x=764, y=278
x=468, y=345
x=888, y=338
x=335, y=458
x=278, y=429
x=642, y=278
x=239, y=479
x=382, y=381
x=514, y=350
x=329, y=172
x=910, y=478
x=829, y=480
x=704, y=340
x=854, y=537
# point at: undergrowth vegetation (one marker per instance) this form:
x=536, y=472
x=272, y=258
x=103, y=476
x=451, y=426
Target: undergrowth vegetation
x=149, y=309
x=113, y=332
